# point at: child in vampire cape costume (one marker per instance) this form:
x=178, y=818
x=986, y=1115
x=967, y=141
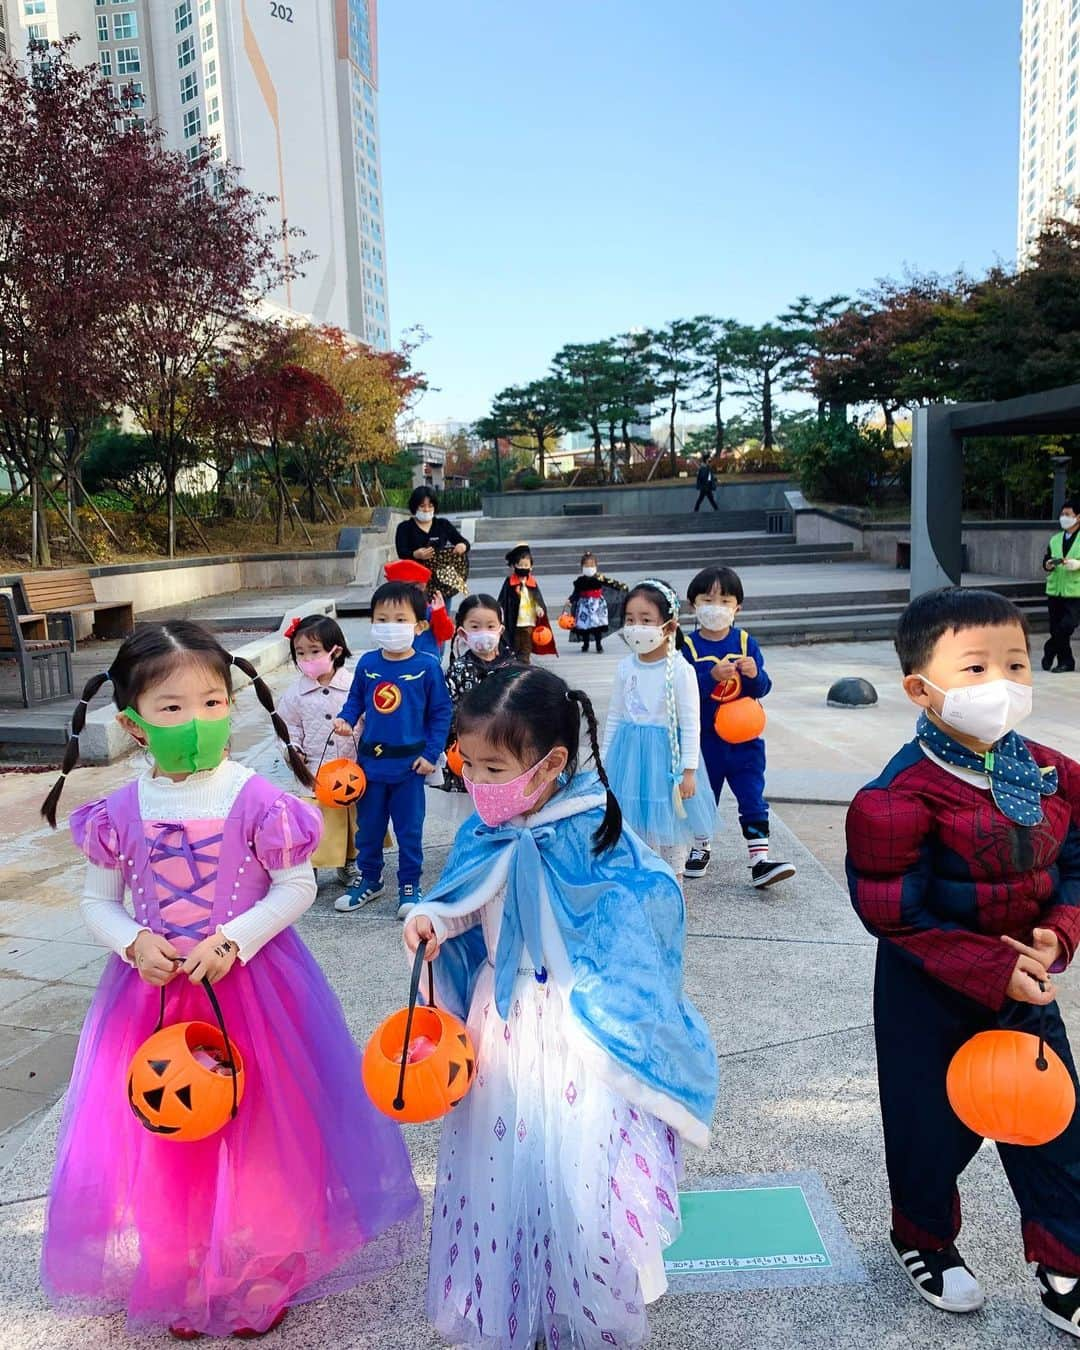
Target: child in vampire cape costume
x=558, y=1173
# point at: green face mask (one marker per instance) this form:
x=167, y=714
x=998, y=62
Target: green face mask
x=187, y=748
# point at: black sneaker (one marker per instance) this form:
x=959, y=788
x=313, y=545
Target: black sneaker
x=1048, y=663
x=942, y=1278
x=768, y=873
x=697, y=864
x=1063, y=670
x=1060, y=1300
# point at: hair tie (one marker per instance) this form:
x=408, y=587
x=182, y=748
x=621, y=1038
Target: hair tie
x=83, y=703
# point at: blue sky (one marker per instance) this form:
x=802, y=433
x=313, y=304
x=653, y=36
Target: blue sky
x=564, y=170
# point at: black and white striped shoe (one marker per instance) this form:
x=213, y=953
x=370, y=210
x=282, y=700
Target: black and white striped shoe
x=1060, y=1300
x=941, y=1278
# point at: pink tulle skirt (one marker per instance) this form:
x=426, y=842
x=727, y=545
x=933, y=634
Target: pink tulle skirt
x=307, y=1192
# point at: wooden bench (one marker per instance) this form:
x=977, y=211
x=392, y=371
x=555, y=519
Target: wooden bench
x=65, y=594
x=44, y=664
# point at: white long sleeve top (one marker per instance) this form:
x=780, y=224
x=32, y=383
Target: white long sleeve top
x=639, y=696
x=202, y=796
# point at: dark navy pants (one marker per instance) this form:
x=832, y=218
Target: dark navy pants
x=401, y=801
x=742, y=768
x=919, y=1024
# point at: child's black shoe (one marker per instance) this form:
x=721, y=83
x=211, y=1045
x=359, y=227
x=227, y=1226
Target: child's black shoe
x=1060, y=1300
x=768, y=873
x=697, y=864
x=942, y=1278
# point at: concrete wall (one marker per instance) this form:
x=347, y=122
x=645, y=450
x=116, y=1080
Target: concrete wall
x=1004, y=548
x=643, y=499
x=158, y=585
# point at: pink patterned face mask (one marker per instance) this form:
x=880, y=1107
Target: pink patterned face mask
x=314, y=666
x=496, y=803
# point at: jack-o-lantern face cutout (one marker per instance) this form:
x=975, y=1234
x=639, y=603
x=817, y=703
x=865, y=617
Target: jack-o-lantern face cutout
x=340, y=783
x=180, y=1082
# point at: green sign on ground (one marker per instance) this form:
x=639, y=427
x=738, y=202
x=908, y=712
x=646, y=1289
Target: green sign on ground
x=759, y=1228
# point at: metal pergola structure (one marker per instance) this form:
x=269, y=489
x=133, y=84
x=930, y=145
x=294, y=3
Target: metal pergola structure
x=937, y=469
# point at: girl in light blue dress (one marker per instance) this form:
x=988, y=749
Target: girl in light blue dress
x=653, y=737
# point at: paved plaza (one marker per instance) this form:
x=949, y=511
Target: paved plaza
x=783, y=979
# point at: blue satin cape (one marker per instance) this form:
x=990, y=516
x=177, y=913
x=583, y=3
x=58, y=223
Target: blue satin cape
x=621, y=919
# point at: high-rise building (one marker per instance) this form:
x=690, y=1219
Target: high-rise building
x=1049, y=108
x=288, y=92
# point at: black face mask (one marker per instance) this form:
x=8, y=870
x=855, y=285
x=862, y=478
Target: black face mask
x=523, y=571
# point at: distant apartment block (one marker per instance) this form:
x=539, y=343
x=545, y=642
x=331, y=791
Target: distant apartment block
x=290, y=94
x=1049, y=109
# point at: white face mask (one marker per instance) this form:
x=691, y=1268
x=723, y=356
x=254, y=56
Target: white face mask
x=482, y=643
x=643, y=638
x=715, y=617
x=425, y=517
x=393, y=637
x=1067, y=523
x=588, y=571
x=986, y=712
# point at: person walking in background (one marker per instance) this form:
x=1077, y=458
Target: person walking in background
x=521, y=602
x=1062, y=567
x=431, y=539
x=706, y=484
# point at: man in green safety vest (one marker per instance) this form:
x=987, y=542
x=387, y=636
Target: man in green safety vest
x=1062, y=568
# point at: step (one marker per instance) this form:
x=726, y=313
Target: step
x=659, y=562
x=512, y=529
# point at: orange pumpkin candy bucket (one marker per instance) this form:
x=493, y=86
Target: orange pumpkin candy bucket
x=1011, y=1087
x=420, y=1062
x=736, y=719
x=186, y=1081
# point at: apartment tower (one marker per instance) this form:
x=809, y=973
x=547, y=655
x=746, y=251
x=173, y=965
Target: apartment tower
x=288, y=92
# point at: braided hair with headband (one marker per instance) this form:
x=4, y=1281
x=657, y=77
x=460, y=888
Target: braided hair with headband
x=529, y=711
x=666, y=601
x=144, y=658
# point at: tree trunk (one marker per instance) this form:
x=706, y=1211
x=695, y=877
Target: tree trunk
x=598, y=447
x=611, y=452
x=170, y=497
x=766, y=411
x=671, y=434
x=890, y=427
x=719, y=410
x=541, y=440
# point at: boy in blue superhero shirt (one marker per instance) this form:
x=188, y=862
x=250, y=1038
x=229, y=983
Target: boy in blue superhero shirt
x=717, y=651
x=402, y=695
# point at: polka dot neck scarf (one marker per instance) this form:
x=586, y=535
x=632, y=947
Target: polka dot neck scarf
x=1017, y=783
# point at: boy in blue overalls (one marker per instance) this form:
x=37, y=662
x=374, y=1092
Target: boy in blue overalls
x=716, y=651
x=402, y=695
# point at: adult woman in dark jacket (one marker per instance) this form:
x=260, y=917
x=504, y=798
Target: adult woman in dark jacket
x=425, y=534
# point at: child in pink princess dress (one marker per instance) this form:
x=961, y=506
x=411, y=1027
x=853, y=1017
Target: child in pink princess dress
x=308, y=1190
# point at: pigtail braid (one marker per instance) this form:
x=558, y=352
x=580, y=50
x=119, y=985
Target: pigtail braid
x=610, y=831
x=71, y=750
x=297, y=762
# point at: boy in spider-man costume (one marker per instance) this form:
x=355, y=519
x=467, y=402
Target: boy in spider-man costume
x=964, y=861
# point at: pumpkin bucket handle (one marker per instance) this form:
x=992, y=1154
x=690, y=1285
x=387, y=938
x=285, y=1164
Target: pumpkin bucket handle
x=327, y=747
x=414, y=990
x=230, y=1063
x=1040, y=1058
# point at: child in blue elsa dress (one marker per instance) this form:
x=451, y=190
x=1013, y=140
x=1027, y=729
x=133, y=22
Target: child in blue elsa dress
x=560, y=938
